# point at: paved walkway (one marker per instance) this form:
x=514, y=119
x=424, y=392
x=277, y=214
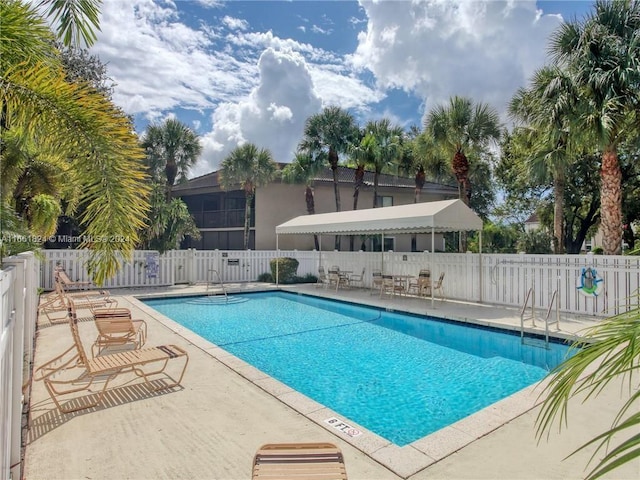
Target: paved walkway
x=212, y=426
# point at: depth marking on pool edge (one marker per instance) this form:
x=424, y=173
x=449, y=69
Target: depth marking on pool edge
x=343, y=427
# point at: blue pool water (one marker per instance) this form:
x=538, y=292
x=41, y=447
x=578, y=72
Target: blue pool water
x=400, y=376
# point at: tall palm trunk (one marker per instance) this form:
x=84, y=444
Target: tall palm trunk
x=376, y=176
x=611, y=202
x=460, y=166
x=558, y=211
x=247, y=216
x=358, y=180
x=419, y=182
x=171, y=171
x=333, y=161
x=311, y=210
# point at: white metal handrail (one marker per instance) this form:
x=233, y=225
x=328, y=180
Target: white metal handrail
x=554, y=299
x=530, y=295
x=209, y=282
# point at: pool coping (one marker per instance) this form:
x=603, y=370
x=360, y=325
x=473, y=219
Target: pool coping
x=403, y=461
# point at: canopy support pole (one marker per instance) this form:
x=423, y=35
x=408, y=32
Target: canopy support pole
x=480, y=266
x=277, y=256
x=382, y=252
x=433, y=248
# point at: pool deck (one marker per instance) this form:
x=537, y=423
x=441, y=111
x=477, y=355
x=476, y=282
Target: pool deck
x=211, y=427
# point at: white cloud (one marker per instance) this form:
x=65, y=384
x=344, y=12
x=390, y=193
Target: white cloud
x=439, y=48
x=271, y=117
x=235, y=23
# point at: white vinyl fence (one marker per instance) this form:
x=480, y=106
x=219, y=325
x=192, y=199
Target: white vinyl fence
x=19, y=279
x=492, y=279
x=499, y=279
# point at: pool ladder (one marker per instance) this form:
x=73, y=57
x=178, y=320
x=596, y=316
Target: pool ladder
x=211, y=283
x=532, y=316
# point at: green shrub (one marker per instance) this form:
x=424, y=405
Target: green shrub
x=287, y=269
x=598, y=251
x=265, y=277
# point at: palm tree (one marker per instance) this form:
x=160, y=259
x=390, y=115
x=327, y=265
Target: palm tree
x=172, y=149
x=73, y=124
x=548, y=107
x=607, y=352
x=251, y=168
x=459, y=128
x=386, y=149
x=601, y=53
x=303, y=170
x=326, y=135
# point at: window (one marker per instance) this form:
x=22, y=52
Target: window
x=383, y=201
x=389, y=243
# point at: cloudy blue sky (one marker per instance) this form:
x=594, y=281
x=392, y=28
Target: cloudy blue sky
x=254, y=71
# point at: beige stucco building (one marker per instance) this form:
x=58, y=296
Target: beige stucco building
x=219, y=214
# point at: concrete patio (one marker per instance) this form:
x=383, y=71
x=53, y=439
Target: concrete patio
x=212, y=426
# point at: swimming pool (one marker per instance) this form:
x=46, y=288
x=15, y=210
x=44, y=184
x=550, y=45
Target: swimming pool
x=400, y=376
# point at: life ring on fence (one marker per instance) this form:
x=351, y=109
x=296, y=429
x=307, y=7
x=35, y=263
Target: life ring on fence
x=590, y=284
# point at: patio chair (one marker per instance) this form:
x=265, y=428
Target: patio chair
x=55, y=301
x=104, y=367
x=323, y=279
x=438, y=288
x=337, y=278
x=420, y=285
x=116, y=328
x=355, y=279
x=392, y=285
x=376, y=285
x=61, y=276
x=289, y=461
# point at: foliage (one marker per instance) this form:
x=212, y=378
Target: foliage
x=287, y=268
x=72, y=124
x=496, y=238
x=327, y=135
x=169, y=222
x=249, y=168
x=535, y=242
x=601, y=54
x=77, y=19
x=462, y=128
x=613, y=347
x=172, y=149
x=265, y=277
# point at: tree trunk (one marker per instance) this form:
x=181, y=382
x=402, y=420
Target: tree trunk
x=419, y=181
x=357, y=183
x=333, y=161
x=611, y=202
x=247, y=218
x=311, y=210
x=460, y=166
x=170, y=170
x=558, y=212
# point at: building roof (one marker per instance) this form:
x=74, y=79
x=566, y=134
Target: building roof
x=345, y=176
x=440, y=216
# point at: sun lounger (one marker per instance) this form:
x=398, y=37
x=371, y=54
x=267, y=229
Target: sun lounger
x=289, y=461
x=56, y=372
x=116, y=328
x=61, y=276
x=55, y=301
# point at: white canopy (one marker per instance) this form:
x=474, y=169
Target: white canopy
x=441, y=216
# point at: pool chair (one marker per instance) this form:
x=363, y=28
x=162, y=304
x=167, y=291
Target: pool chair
x=116, y=328
x=73, y=371
x=61, y=276
x=355, y=279
x=323, y=279
x=289, y=461
x=337, y=278
x=392, y=285
x=420, y=285
x=438, y=288
x=55, y=301
x=376, y=285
